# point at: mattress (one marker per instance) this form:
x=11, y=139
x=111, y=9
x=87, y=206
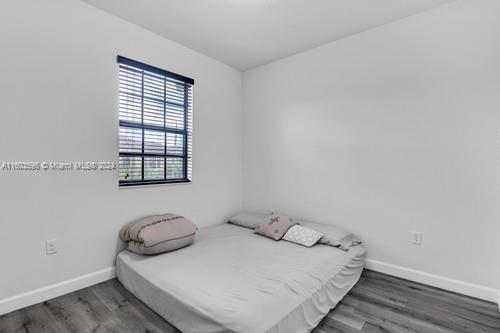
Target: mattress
x=232, y=280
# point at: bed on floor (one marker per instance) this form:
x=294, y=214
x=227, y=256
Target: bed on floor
x=232, y=280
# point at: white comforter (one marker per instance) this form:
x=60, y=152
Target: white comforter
x=231, y=280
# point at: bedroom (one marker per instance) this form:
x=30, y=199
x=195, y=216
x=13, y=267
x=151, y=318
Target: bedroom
x=376, y=117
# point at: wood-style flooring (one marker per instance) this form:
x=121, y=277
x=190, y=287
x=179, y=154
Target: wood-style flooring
x=378, y=303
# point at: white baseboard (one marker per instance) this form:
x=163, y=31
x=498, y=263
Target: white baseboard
x=45, y=293
x=457, y=286
x=498, y=300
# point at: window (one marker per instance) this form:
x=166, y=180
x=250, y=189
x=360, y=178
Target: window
x=155, y=125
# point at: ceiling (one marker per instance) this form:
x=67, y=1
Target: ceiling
x=247, y=33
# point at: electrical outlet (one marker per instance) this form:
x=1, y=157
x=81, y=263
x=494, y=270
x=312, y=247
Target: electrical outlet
x=417, y=237
x=51, y=247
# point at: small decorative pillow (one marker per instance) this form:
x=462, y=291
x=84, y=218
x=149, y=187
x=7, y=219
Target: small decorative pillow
x=302, y=235
x=333, y=235
x=274, y=226
x=158, y=234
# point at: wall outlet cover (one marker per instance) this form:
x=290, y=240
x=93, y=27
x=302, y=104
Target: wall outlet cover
x=417, y=237
x=51, y=246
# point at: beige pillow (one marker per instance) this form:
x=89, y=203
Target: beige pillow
x=274, y=226
x=158, y=234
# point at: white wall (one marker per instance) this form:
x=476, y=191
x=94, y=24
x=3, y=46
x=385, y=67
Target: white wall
x=58, y=87
x=391, y=130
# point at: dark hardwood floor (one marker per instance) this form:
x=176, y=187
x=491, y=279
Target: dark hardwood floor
x=378, y=303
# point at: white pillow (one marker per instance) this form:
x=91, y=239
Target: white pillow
x=302, y=235
x=247, y=219
x=333, y=235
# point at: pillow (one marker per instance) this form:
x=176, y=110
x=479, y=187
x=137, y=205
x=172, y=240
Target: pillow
x=247, y=219
x=158, y=234
x=302, y=235
x=333, y=235
x=274, y=226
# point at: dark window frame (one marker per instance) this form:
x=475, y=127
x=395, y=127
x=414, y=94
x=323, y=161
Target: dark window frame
x=187, y=83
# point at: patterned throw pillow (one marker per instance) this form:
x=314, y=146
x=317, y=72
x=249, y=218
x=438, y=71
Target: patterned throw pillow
x=302, y=235
x=274, y=226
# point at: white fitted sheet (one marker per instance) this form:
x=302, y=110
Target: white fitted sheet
x=232, y=280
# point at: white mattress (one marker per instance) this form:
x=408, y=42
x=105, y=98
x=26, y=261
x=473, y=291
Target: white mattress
x=231, y=280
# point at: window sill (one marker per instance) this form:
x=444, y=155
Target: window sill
x=153, y=184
